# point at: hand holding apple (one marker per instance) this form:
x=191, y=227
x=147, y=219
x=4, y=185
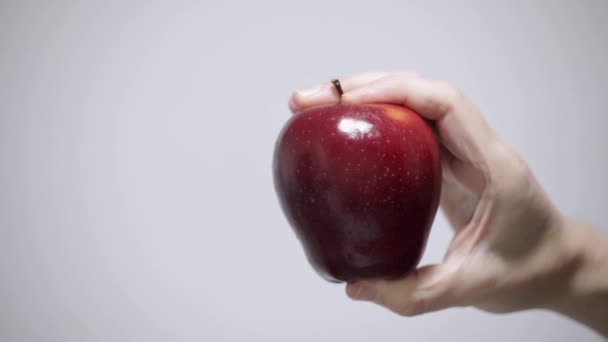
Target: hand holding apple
x=509, y=242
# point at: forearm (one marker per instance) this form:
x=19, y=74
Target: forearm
x=584, y=296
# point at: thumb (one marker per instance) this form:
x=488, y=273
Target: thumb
x=423, y=290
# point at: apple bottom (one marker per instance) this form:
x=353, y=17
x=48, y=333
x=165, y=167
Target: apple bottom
x=350, y=267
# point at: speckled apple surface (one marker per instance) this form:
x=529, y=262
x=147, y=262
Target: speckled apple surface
x=360, y=186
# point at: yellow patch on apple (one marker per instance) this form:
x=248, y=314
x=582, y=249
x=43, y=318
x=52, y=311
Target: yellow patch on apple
x=395, y=114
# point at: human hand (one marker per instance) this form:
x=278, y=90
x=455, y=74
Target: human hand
x=509, y=247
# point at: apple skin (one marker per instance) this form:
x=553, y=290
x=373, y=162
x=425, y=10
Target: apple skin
x=360, y=186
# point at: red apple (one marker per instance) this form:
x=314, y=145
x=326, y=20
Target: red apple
x=360, y=186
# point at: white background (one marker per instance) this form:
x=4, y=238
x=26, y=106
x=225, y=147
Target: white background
x=136, y=198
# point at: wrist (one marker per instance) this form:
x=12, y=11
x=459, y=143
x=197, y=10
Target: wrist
x=582, y=287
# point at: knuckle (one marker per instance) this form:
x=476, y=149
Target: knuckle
x=448, y=97
x=452, y=92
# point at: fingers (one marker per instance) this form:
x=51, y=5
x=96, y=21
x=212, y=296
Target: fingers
x=319, y=95
x=431, y=99
x=461, y=127
x=326, y=94
x=424, y=290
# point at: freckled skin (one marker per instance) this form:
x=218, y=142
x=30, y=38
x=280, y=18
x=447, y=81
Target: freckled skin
x=360, y=186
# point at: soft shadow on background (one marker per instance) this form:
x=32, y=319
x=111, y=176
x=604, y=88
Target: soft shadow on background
x=136, y=198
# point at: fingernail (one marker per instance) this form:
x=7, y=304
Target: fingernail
x=293, y=104
x=310, y=91
x=365, y=293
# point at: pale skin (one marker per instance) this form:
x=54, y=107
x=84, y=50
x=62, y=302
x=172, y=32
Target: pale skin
x=512, y=248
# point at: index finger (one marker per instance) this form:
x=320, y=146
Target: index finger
x=326, y=94
x=461, y=126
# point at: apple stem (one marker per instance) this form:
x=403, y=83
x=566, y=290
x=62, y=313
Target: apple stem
x=338, y=86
